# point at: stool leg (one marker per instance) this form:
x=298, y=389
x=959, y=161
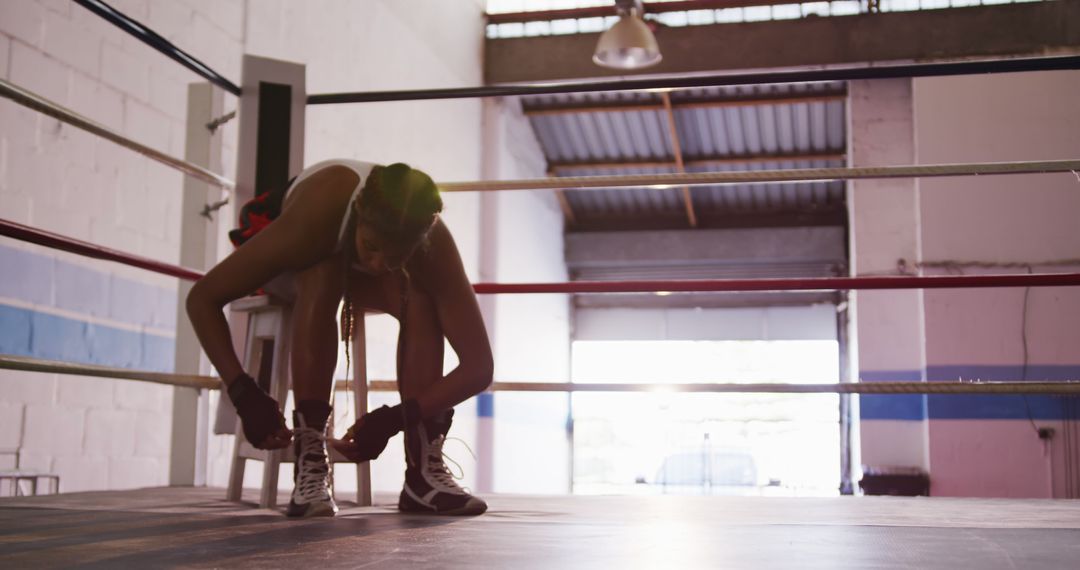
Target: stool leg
x=269, y=373
x=360, y=397
x=279, y=377
x=236, y=470
x=271, y=467
x=235, y=490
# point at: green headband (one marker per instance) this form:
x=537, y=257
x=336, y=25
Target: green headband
x=402, y=202
x=408, y=192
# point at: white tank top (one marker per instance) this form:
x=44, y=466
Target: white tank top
x=362, y=169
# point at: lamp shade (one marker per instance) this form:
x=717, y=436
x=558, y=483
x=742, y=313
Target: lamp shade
x=629, y=44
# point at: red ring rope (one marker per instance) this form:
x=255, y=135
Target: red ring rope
x=57, y=241
x=805, y=284
x=63, y=243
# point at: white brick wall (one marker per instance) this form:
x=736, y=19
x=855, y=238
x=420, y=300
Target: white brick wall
x=65, y=181
x=135, y=472
x=54, y=430
x=97, y=433
x=93, y=473
x=76, y=392
x=69, y=44
x=165, y=97
x=23, y=20
x=27, y=388
x=98, y=102
x=170, y=19
x=59, y=6
x=5, y=50
x=11, y=422
x=33, y=70
x=109, y=433
x=141, y=396
x=125, y=71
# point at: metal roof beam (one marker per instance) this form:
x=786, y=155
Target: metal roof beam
x=557, y=168
x=695, y=103
x=605, y=11
x=1033, y=28
x=676, y=149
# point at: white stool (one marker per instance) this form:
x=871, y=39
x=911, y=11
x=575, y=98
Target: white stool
x=266, y=349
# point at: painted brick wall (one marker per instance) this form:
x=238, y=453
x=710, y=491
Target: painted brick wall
x=971, y=445
x=96, y=433
x=115, y=434
x=884, y=222
x=531, y=333
x=988, y=446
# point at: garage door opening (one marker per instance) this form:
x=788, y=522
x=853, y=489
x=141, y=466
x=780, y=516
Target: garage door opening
x=664, y=442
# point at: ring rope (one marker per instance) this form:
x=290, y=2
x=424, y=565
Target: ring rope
x=47, y=107
x=798, y=284
x=910, y=70
x=28, y=234
x=11, y=362
x=931, y=387
x=151, y=38
x=764, y=176
x=40, y=237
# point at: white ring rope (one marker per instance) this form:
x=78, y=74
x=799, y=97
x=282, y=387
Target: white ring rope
x=934, y=387
x=43, y=105
x=28, y=364
x=764, y=176
x=947, y=387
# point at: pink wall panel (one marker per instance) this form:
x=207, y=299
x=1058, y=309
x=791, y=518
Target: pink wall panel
x=993, y=458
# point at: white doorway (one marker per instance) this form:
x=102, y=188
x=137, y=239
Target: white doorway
x=705, y=443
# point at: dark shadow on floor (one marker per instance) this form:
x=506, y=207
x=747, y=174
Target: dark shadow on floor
x=45, y=534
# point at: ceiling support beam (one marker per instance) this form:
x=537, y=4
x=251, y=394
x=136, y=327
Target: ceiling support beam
x=676, y=148
x=556, y=169
x=567, y=210
x=605, y=11
x=786, y=99
x=1025, y=29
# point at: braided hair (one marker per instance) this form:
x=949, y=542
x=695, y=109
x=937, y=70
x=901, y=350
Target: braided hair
x=400, y=205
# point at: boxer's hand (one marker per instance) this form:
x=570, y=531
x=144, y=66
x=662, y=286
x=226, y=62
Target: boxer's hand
x=260, y=416
x=367, y=438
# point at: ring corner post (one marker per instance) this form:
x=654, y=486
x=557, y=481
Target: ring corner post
x=198, y=246
x=270, y=142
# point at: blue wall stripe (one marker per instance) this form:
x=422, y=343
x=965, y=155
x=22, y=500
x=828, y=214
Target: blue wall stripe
x=899, y=407
x=14, y=330
x=890, y=375
x=1004, y=407
x=1036, y=372
x=485, y=405
x=27, y=276
x=30, y=333
x=971, y=406
x=910, y=407
x=42, y=280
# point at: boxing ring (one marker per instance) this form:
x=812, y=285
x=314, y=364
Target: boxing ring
x=191, y=525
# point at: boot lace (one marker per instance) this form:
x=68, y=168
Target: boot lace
x=439, y=473
x=313, y=468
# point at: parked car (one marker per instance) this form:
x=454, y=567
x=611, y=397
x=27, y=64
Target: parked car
x=701, y=471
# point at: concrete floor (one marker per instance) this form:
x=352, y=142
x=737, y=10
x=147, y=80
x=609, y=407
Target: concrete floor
x=188, y=527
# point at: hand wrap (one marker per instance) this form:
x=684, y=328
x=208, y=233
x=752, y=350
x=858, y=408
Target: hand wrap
x=259, y=413
x=367, y=438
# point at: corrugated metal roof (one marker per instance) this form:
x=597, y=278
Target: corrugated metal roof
x=719, y=129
